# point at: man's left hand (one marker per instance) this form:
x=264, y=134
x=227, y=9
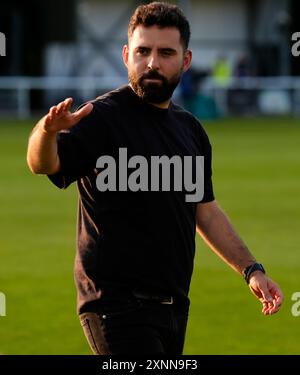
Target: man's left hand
x=267, y=291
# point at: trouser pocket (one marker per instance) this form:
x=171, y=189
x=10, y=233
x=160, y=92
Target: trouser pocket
x=93, y=329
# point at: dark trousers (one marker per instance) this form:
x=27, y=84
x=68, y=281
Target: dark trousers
x=135, y=326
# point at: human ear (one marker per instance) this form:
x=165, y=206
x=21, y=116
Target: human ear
x=125, y=54
x=187, y=60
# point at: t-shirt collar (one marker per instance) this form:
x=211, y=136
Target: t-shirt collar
x=149, y=106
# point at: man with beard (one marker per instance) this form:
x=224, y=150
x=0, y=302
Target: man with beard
x=135, y=249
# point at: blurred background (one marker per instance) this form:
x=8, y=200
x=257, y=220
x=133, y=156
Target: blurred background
x=242, y=54
x=244, y=86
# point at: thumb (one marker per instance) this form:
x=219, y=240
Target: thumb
x=82, y=112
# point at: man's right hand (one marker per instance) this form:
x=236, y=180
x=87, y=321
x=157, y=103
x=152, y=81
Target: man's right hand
x=60, y=117
x=42, y=154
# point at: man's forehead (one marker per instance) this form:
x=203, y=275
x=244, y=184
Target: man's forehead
x=166, y=37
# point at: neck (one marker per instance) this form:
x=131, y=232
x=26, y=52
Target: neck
x=164, y=105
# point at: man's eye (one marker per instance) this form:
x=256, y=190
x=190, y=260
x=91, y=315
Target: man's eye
x=167, y=53
x=142, y=51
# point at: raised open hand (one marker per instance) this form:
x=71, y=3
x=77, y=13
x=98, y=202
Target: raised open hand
x=60, y=117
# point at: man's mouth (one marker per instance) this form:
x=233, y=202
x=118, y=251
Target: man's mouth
x=152, y=80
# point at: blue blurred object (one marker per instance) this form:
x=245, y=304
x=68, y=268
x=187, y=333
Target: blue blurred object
x=201, y=106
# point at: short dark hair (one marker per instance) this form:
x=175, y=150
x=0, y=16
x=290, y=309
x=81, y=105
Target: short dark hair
x=162, y=15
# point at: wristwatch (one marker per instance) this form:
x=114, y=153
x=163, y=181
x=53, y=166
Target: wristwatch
x=254, y=267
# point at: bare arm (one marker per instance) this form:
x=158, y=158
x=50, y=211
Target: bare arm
x=42, y=156
x=215, y=228
x=217, y=231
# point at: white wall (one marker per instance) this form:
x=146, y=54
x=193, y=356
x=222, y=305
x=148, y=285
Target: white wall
x=218, y=28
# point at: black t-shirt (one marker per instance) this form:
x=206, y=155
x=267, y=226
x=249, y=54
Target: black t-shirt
x=132, y=239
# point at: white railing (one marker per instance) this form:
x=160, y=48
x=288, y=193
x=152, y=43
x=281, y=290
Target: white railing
x=288, y=85
x=23, y=85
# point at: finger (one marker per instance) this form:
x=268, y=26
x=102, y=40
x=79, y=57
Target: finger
x=274, y=310
x=266, y=295
x=59, y=108
x=84, y=111
x=279, y=296
x=67, y=104
x=277, y=299
x=276, y=306
x=52, y=111
x=47, y=119
x=265, y=308
x=271, y=307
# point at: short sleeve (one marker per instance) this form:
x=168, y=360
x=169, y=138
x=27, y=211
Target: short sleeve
x=79, y=149
x=207, y=153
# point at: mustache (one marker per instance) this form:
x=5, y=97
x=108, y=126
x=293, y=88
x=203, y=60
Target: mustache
x=152, y=74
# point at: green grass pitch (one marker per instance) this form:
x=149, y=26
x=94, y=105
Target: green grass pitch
x=257, y=182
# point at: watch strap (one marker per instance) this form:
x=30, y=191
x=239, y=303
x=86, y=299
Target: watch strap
x=250, y=269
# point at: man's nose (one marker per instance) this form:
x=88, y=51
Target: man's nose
x=153, y=63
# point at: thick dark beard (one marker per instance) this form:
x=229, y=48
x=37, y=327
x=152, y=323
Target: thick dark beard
x=153, y=92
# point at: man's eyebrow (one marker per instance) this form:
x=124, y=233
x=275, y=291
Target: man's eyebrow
x=142, y=47
x=167, y=49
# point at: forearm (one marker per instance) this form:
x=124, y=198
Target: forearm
x=217, y=231
x=42, y=156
